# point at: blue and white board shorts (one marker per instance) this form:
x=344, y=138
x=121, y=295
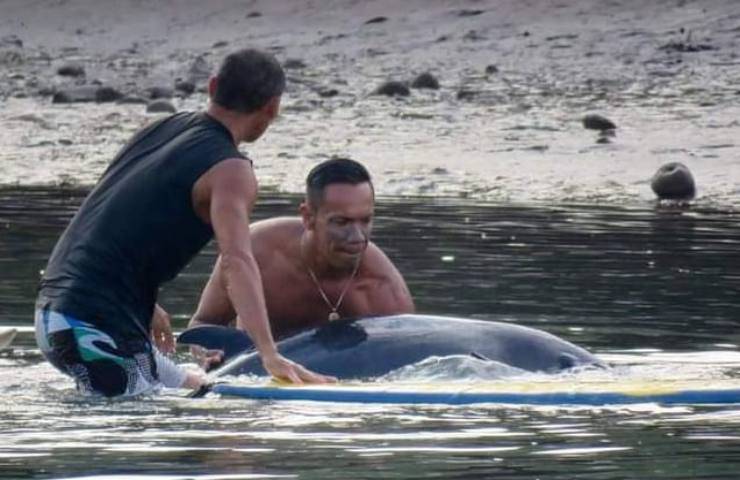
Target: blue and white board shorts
x=99, y=365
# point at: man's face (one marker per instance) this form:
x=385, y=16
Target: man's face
x=342, y=223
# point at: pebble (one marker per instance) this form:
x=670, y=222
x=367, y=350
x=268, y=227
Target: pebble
x=673, y=181
x=160, y=106
x=393, y=88
x=597, y=122
x=426, y=80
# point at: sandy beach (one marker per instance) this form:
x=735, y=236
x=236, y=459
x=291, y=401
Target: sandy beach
x=516, y=78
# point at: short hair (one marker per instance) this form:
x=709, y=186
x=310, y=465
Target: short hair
x=335, y=170
x=247, y=80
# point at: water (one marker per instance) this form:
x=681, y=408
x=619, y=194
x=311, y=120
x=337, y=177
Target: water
x=653, y=290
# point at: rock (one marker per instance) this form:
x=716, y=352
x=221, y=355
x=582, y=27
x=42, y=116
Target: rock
x=466, y=94
x=673, y=181
x=376, y=20
x=160, y=106
x=107, y=94
x=426, y=80
x=393, y=88
x=254, y=15
x=133, y=99
x=686, y=47
x=200, y=70
x=159, y=92
x=294, y=64
x=87, y=93
x=185, y=86
x=491, y=69
x=328, y=92
x=597, y=122
x=71, y=70
x=219, y=44
x=11, y=41
x=11, y=58
x=469, y=13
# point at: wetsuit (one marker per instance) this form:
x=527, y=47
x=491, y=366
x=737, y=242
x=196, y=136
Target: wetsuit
x=136, y=230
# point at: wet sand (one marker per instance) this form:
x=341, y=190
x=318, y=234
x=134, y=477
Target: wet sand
x=515, y=78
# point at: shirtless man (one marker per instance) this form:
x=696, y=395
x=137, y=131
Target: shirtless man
x=321, y=266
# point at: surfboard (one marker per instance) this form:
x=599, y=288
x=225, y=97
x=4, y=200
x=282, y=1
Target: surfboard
x=498, y=392
x=7, y=335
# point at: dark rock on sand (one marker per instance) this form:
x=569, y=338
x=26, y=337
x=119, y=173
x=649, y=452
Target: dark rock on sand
x=597, y=122
x=686, y=47
x=155, y=93
x=491, y=69
x=254, y=15
x=469, y=13
x=133, y=99
x=200, y=70
x=426, y=80
x=376, y=20
x=294, y=64
x=185, y=86
x=71, y=70
x=160, y=106
x=11, y=58
x=392, y=89
x=328, y=92
x=466, y=94
x=87, y=93
x=219, y=44
x=11, y=41
x=673, y=181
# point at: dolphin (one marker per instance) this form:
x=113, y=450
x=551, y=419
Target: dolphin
x=374, y=346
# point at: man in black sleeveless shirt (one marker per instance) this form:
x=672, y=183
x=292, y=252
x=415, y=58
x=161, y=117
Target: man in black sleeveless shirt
x=177, y=183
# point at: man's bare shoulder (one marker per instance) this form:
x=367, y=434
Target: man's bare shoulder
x=375, y=263
x=275, y=236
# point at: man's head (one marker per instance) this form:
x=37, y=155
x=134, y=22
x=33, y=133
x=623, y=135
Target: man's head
x=338, y=210
x=249, y=82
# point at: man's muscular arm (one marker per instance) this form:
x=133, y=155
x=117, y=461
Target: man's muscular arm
x=389, y=295
x=214, y=307
x=230, y=190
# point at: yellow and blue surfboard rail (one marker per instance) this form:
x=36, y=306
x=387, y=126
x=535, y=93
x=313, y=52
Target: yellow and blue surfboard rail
x=556, y=393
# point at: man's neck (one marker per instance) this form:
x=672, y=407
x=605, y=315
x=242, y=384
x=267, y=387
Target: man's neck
x=228, y=119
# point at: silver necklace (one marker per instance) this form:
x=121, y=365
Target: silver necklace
x=333, y=314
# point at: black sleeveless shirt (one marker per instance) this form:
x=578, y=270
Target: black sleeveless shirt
x=137, y=228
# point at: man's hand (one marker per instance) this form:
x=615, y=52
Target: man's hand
x=162, y=331
x=207, y=359
x=287, y=370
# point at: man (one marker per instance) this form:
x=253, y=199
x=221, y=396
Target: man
x=160, y=201
x=321, y=266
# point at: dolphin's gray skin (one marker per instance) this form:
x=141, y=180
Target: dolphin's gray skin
x=371, y=347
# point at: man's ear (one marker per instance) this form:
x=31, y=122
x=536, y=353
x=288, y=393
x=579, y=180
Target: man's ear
x=308, y=216
x=272, y=107
x=212, y=86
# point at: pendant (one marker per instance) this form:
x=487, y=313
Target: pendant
x=333, y=316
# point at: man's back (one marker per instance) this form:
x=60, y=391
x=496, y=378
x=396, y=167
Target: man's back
x=137, y=228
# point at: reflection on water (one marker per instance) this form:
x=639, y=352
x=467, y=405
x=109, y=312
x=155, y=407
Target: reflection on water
x=638, y=286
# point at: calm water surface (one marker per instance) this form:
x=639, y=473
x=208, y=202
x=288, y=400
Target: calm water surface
x=652, y=290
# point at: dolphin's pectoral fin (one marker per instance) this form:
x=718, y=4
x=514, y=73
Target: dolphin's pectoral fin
x=215, y=337
x=340, y=335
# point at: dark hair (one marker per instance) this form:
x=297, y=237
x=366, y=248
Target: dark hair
x=247, y=80
x=335, y=170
